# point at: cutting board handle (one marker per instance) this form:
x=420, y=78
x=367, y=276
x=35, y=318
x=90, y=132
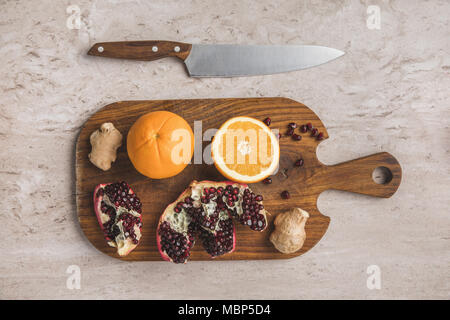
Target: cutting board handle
x=356, y=175
x=141, y=50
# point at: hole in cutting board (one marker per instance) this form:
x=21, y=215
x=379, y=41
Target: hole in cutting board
x=382, y=175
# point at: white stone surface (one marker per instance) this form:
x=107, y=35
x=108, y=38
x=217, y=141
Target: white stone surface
x=390, y=92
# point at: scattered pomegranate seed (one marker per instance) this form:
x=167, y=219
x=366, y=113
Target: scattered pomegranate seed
x=299, y=163
x=279, y=136
x=303, y=128
x=297, y=137
x=267, y=121
x=285, y=194
x=314, y=132
x=320, y=136
x=292, y=125
x=290, y=132
x=309, y=126
x=267, y=181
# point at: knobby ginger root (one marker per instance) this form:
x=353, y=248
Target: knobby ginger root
x=289, y=234
x=105, y=142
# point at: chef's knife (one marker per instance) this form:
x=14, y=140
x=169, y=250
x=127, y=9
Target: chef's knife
x=204, y=60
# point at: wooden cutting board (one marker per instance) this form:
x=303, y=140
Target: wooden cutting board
x=304, y=184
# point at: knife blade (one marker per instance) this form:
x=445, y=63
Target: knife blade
x=222, y=60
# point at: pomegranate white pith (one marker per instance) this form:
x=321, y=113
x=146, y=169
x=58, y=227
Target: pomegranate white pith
x=118, y=211
x=206, y=209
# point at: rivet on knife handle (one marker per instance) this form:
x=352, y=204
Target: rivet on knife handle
x=141, y=50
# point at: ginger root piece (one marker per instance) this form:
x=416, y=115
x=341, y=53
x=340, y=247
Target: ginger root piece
x=105, y=142
x=289, y=234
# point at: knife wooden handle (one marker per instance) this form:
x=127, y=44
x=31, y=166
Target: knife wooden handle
x=141, y=50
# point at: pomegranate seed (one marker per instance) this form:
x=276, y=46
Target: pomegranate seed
x=314, y=132
x=292, y=125
x=303, y=128
x=236, y=190
x=290, y=132
x=279, y=136
x=299, y=163
x=285, y=194
x=267, y=121
x=259, y=198
x=320, y=136
x=309, y=126
x=296, y=137
x=267, y=181
x=212, y=190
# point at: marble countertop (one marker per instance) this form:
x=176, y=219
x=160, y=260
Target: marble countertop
x=390, y=92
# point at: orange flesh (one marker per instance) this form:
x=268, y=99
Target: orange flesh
x=249, y=161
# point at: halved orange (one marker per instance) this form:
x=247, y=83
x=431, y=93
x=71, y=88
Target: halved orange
x=245, y=150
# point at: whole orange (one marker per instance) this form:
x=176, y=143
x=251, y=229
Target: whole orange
x=160, y=144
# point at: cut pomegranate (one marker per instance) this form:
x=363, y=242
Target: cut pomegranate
x=118, y=211
x=206, y=209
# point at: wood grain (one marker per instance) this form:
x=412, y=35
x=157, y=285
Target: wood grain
x=141, y=50
x=304, y=184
